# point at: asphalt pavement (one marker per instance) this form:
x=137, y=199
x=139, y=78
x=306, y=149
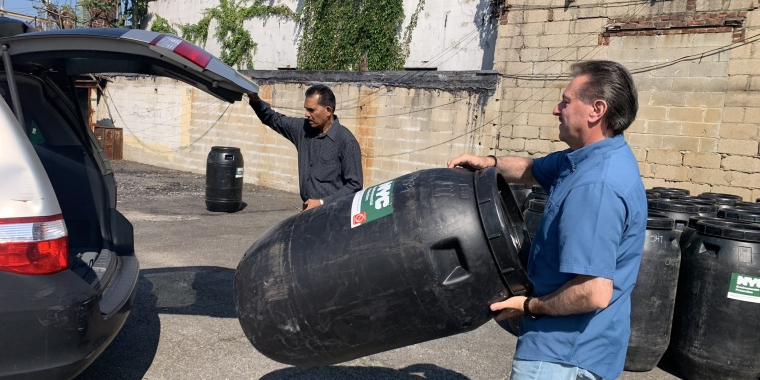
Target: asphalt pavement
x=183, y=324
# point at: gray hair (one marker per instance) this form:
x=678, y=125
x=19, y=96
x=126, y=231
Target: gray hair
x=613, y=83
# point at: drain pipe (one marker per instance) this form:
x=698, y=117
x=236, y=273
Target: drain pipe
x=12, y=86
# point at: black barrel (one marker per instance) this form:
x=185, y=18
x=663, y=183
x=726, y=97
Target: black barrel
x=654, y=295
x=537, y=192
x=521, y=191
x=740, y=215
x=671, y=192
x=679, y=211
x=705, y=206
x=722, y=200
x=417, y=258
x=691, y=228
x=716, y=329
x=224, y=179
x=533, y=215
x=653, y=194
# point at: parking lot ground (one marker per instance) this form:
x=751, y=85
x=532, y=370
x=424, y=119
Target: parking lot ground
x=183, y=324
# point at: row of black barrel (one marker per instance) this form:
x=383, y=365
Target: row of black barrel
x=698, y=289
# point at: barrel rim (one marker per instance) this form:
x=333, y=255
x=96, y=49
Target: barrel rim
x=696, y=218
x=672, y=205
x=731, y=231
x=537, y=205
x=744, y=215
x=538, y=189
x=220, y=148
x=659, y=221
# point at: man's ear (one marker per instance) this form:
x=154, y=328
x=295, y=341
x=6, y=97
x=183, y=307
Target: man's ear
x=598, y=108
x=329, y=109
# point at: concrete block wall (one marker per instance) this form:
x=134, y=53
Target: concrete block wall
x=399, y=129
x=696, y=64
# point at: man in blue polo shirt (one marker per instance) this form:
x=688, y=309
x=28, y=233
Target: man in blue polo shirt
x=585, y=257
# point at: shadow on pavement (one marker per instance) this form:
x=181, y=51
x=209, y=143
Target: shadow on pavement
x=185, y=290
x=413, y=372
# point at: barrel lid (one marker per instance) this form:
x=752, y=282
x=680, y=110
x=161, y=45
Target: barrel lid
x=225, y=149
x=722, y=199
x=651, y=194
x=748, y=205
x=659, y=221
x=744, y=215
x=505, y=229
x=537, y=205
x=730, y=230
x=538, y=189
x=672, y=205
x=693, y=220
x=703, y=205
x=670, y=192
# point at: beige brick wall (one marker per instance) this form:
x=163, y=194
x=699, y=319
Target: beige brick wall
x=698, y=125
x=399, y=130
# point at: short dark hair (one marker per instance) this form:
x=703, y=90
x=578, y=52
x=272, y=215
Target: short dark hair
x=326, y=96
x=613, y=83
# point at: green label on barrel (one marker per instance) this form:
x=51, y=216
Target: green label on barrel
x=371, y=204
x=239, y=173
x=744, y=288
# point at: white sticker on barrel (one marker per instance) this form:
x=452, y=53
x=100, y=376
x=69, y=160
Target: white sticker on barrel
x=744, y=288
x=239, y=173
x=372, y=204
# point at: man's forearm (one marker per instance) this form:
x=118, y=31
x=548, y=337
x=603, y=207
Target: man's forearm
x=580, y=295
x=516, y=169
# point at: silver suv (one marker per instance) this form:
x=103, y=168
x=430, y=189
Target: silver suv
x=68, y=270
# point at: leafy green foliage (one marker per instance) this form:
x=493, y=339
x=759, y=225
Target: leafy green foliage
x=161, y=25
x=236, y=42
x=126, y=12
x=337, y=34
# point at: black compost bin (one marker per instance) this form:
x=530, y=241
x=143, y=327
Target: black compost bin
x=224, y=179
x=654, y=295
x=691, y=228
x=417, y=258
x=536, y=192
x=716, y=331
x=675, y=209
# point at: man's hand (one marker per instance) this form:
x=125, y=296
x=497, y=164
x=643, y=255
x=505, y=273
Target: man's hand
x=512, y=307
x=311, y=203
x=253, y=97
x=469, y=161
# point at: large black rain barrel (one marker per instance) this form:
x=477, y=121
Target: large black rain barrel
x=417, y=258
x=675, y=209
x=716, y=332
x=654, y=295
x=224, y=179
x=533, y=215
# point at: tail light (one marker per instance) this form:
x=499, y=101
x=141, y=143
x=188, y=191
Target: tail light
x=34, y=246
x=183, y=49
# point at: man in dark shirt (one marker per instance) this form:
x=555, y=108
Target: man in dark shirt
x=329, y=158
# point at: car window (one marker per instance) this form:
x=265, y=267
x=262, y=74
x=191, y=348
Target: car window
x=44, y=123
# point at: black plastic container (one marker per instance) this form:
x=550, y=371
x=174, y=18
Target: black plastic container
x=417, y=258
x=521, y=192
x=705, y=206
x=654, y=295
x=748, y=205
x=671, y=192
x=716, y=330
x=533, y=215
x=691, y=228
x=653, y=194
x=679, y=211
x=224, y=179
x=740, y=215
x=722, y=200
x=537, y=192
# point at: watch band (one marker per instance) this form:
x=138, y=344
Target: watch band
x=526, y=309
x=495, y=160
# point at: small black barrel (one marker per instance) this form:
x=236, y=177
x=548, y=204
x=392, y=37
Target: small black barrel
x=675, y=209
x=533, y=215
x=224, y=179
x=537, y=192
x=671, y=192
x=722, y=200
x=716, y=331
x=520, y=191
x=654, y=295
x=416, y=258
x=740, y=215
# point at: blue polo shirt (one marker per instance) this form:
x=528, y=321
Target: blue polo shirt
x=594, y=224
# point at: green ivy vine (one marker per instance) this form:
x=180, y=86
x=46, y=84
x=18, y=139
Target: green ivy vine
x=336, y=34
x=162, y=25
x=237, y=45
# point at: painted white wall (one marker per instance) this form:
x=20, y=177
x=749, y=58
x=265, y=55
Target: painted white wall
x=451, y=35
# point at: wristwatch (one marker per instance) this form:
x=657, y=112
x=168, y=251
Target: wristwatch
x=526, y=309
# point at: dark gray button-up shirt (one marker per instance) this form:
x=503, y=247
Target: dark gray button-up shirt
x=329, y=165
